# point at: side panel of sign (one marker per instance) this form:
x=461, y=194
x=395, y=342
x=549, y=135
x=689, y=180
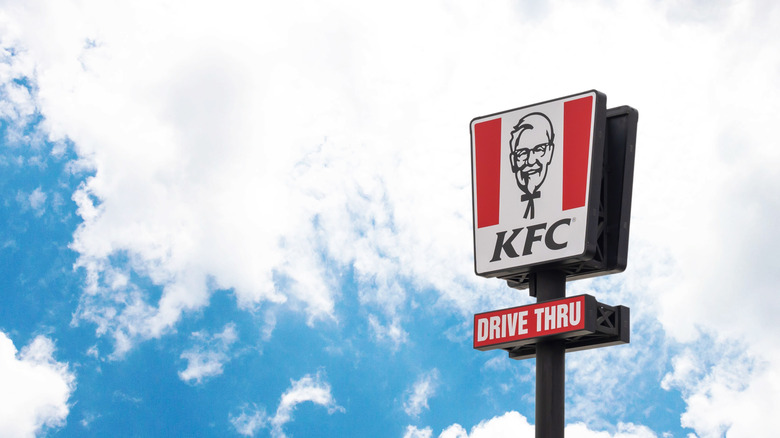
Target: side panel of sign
x=533, y=183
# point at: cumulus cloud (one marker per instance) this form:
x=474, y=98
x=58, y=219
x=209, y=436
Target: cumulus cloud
x=421, y=391
x=623, y=430
x=233, y=165
x=250, y=420
x=36, y=388
x=414, y=432
x=35, y=201
x=307, y=389
x=509, y=424
x=727, y=390
x=17, y=105
x=206, y=358
x=513, y=424
x=391, y=333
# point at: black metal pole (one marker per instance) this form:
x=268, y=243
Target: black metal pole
x=550, y=362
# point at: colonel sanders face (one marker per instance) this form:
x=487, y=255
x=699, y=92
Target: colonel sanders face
x=531, y=151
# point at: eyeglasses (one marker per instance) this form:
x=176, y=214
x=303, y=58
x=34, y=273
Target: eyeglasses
x=520, y=156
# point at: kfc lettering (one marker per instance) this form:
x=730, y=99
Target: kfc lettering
x=505, y=245
x=524, y=325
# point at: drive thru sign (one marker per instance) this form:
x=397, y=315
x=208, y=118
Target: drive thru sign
x=537, y=173
x=526, y=324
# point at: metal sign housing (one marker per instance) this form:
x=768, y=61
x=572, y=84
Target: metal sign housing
x=536, y=184
x=614, y=217
x=604, y=242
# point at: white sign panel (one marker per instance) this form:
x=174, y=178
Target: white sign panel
x=536, y=175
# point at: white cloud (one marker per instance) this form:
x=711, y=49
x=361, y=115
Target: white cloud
x=623, y=430
x=601, y=381
x=513, y=424
x=93, y=352
x=238, y=160
x=17, y=104
x=209, y=354
x=88, y=419
x=307, y=389
x=454, y=431
x=728, y=391
x=414, y=432
x=392, y=332
x=37, y=201
x=249, y=422
x=35, y=388
x=416, y=399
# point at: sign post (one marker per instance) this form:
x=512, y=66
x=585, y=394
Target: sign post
x=551, y=186
x=550, y=362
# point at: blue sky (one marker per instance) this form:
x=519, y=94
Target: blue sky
x=255, y=220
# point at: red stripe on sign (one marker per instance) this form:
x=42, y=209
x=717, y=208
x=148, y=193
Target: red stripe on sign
x=576, y=147
x=487, y=157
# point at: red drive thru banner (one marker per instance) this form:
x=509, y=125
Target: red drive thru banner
x=536, y=184
x=508, y=328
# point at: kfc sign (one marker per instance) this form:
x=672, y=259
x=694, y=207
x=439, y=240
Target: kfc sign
x=536, y=184
x=523, y=325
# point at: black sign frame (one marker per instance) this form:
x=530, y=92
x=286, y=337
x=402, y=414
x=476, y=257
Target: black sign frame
x=614, y=211
x=591, y=247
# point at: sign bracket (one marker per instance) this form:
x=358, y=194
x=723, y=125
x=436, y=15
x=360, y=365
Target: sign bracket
x=612, y=328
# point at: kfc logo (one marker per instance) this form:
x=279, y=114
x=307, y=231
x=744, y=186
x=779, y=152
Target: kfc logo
x=533, y=197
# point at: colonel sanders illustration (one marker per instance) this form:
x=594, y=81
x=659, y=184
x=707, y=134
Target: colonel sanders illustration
x=532, y=149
